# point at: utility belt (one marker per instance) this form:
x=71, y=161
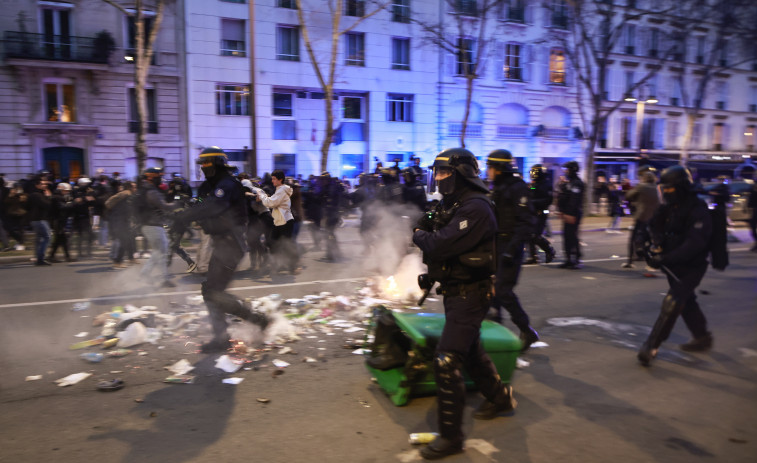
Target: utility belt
x=462, y=289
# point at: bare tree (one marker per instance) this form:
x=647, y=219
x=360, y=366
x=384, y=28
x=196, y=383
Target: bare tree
x=465, y=34
x=594, y=31
x=325, y=64
x=143, y=54
x=729, y=44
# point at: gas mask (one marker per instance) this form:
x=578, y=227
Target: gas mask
x=209, y=170
x=447, y=185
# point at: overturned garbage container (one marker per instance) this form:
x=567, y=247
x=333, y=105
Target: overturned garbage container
x=402, y=354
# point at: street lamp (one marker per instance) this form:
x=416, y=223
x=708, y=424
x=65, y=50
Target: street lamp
x=640, y=103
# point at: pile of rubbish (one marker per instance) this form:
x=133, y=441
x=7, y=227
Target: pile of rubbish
x=124, y=328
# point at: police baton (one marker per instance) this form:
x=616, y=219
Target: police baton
x=670, y=273
x=423, y=298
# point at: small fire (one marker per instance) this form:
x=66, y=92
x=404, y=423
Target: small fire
x=391, y=289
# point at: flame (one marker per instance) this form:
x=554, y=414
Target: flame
x=391, y=288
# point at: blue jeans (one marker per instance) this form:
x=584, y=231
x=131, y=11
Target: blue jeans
x=42, y=238
x=158, y=241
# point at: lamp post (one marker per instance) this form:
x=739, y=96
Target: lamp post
x=640, y=103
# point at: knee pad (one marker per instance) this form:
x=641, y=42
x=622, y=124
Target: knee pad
x=447, y=364
x=669, y=304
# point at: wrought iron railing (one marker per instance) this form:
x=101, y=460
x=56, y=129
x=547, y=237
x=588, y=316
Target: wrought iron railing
x=28, y=45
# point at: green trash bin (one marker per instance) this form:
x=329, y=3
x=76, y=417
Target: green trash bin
x=422, y=331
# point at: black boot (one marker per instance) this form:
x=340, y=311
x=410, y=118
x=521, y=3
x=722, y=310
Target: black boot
x=646, y=354
x=550, y=254
x=700, y=344
x=215, y=345
x=503, y=403
x=528, y=337
x=440, y=448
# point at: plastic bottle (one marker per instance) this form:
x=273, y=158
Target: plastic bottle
x=94, y=357
x=422, y=437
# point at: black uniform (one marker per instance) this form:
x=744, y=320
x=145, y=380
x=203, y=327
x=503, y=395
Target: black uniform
x=467, y=293
x=222, y=214
x=541, y=199
x=515, y=221
x=752, y=205
x=681, y=232
x=570, y=203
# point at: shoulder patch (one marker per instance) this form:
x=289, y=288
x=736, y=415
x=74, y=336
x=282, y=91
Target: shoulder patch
x=523, y=200
x=219, y=193
x=463, y=224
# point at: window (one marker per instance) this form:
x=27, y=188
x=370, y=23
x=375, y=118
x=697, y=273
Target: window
x=465, y=65
x=696, y=136
x=626, y=131
x=282, y=104
x=700, y=49
x=630, y=39
x=399, y=108
x=722, y=95
x=648, y=133
x=629, y=85
x=466, y=7
x=288, y=43
x=284, y=129
x=232, y=37
x=285, y=162
x=724, y=54
x=513, y=61
x=672, y=142
x=753, y=99
x=234, y=1
x=559, y=17
x=56, y=34
x=654, y=42
x=60, y=103
x=291, y=4
x=675, y=98
x=749, y=137
x=131, y=29
x=354, y=8
x=355, y=44
x=401, y=11
x=232, y=100
x=513, y=10
x=352, y=107
x=401, y=53
x=718, y=136
x=152, y=114
x=557, y=67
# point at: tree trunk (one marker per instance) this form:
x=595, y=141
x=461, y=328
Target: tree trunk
x=468, y=98
x=328, y=136
x=140, y=76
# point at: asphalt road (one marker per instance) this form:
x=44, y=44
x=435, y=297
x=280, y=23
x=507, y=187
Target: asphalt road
x=582, y=398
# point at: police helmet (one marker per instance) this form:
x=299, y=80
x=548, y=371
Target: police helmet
x=83, y=181
x=676, y=176
x=214, y=155
x=463, y=164
x=537, y=172
x=501, y=160
x=63, y=186
x=408, y=173
x=572, y=167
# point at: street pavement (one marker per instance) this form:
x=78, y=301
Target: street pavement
x=581, y=398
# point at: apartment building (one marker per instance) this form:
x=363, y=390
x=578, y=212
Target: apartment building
x=651, y=126
x=70, y=104
x=397, y=94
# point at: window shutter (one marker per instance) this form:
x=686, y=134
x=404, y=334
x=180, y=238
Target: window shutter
x=499, y=61
x=544, y=63
x=659, y=127
x=527, y=59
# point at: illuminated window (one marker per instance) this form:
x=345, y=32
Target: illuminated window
x=60, y=101
x=557, y=66
x=232, y=37
x=232, y=100
x=513, y=61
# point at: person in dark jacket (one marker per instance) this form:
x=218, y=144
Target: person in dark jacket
x=570, y=198
x=644, y=199
x=515, y=225
x=84, y=201
x=680, y=243
x=468, y=230
x=752, y=206
x=152, y=212
x=222, y=214
x=62, y=204
x=40, y=204
x=120, y=211
x=541, y=199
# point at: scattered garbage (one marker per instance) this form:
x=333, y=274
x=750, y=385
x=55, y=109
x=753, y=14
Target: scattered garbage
x=118, y=352
x=112, y=385
x=232, y=380
x=72, y=379
x=80, y=306
x=180, y=379
x=422, y=437
x=92, y=357
x=85, y=344
x=520, y=363
x=228, y=364
x=135, y=333
x=539, y=344
x=81, y=334
x=110, y=343
x=280, y=363
x=263, y=401
x=181, y=367
x=33, y=378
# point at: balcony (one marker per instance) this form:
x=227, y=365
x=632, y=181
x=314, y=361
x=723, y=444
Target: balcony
x=473, y=130
x=31, y=46
x=512, y=131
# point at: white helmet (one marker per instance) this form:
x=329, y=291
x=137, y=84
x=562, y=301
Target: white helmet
x=63, y=186
x=84, y=181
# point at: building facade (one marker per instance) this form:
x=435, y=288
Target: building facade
x=72, y=104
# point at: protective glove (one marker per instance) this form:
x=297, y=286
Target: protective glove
x=654, y=260
x=425, y=222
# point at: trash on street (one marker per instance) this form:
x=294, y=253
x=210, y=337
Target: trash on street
x=72, y=379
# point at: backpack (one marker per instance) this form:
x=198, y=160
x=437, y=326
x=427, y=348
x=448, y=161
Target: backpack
x=719, y=239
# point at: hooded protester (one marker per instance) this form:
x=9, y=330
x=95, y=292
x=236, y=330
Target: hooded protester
x=280, y=204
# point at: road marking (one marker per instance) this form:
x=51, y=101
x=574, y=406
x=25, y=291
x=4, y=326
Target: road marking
x=176, y=293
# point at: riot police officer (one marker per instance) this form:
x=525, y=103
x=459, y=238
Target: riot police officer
x=515, y=221
x=541, y=199
x=680, y=242
x=458, y=251
x=222, y=214
x=570, y=200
